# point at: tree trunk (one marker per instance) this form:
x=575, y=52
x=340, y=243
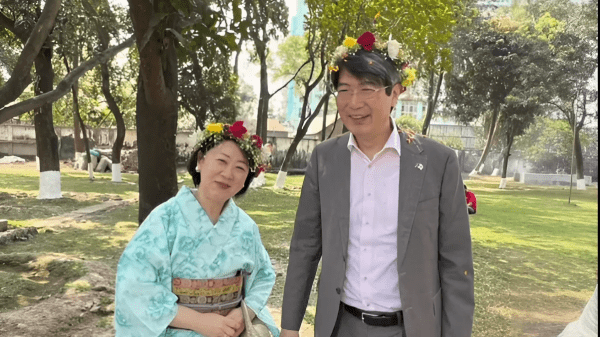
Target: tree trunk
x=46, y=139
x=432, y=101
x=156, y=108
x=578, y=155
x=79, y=146
x=509, y=141
x=263, y=104
x=77, y=115
x=489, y=141
x=324, y=129
x=114, y=108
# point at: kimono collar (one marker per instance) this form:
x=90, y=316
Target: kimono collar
x=194, y=214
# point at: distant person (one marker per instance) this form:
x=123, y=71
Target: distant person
x=587, y=324
x=197, y=255
x=471, y=201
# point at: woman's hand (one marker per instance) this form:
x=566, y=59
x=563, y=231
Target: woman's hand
x=215, y=325
x=237, y=316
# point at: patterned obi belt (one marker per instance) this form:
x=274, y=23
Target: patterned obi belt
x=218, y=296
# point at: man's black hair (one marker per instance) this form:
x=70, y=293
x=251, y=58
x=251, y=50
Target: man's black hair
x=372, y=66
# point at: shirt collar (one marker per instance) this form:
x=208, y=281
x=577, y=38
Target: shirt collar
x=393, y=141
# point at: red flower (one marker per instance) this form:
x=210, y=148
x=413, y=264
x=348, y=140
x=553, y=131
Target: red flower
x=366, y=41
x=238, y=129
x=258, y=141
x=259, y=170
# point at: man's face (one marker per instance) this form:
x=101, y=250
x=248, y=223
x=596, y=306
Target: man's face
x=363, y=106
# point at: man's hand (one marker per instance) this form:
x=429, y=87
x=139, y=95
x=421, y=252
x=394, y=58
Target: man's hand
x=238, y=316
x=289, y=333
x=215, y=325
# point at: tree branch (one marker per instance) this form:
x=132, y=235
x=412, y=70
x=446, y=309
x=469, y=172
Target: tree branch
x=21, y=75
x=64, y=86
x=291, y=79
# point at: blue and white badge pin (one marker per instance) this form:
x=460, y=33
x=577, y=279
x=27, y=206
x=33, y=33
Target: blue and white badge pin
x=419, y=166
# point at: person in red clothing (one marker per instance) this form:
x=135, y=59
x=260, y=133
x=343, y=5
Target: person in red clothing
x=471, y=201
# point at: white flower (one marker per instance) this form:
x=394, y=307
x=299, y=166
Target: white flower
x=339, y=51
x=393, y=49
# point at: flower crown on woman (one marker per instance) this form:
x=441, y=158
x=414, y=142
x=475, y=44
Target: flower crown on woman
x=249, y=144
x=369, y=42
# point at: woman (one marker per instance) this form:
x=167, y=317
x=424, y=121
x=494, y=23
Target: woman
x=187, y=267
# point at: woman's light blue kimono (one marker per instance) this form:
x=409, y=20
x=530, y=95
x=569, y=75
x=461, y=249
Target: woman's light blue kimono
x=178, y=239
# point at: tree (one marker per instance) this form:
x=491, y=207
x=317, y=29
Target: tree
x=104, y=41
x=21, y=24
x=315, y=57
x=165, y=29
x=548, y=144
x=486, y=70
x=264, y=21
x=33, y=41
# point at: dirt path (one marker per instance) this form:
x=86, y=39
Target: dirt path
x=78, y=312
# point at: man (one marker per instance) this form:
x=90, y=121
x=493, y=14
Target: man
x=386, y=212
x=471, y=201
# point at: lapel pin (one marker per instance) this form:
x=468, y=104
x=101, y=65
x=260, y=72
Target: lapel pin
x=419, y=166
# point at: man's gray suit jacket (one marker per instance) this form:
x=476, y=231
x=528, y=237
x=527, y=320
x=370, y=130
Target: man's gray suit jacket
x=435, y=264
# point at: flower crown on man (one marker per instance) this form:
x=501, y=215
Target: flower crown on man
x=384, y=58
x=216, y=133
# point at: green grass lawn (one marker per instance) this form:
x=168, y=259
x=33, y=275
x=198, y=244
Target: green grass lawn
x=535, y=255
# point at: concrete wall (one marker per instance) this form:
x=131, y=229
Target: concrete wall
x=19, y=139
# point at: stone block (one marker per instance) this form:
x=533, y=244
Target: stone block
x=3, y=225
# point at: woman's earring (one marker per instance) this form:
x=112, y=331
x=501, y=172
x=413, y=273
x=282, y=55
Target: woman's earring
x=197, y=169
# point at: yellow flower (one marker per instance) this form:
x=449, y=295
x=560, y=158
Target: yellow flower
x=349, y=42
x=334, y=68
x=377, y=15
x=215, y=127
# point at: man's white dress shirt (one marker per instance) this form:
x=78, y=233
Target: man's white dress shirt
x=371, y=272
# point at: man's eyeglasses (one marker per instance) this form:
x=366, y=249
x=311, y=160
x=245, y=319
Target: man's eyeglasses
x=363, y=92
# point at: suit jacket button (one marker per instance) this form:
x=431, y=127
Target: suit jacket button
x=338, y=290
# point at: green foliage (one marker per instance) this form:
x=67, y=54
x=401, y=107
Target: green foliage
x=409, y=122
x=548, y=144
x=453, y=142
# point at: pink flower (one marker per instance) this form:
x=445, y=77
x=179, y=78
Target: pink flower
x=366, y=41
x=257, y=140
x=237, y=129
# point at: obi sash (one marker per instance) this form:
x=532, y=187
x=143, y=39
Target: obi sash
x=218, y=295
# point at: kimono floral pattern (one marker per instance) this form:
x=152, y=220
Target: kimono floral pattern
x=177, y=240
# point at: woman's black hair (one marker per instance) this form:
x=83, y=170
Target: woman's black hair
x=369, y=65
x=193, y=163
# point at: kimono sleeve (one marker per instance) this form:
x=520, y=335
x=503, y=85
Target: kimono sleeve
x=145, y=304
x=260, y=284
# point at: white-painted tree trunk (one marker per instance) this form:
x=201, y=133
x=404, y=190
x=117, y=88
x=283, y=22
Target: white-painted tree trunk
x=280, y=182
x=37, y=163
x=91, y=172
x=496, y=172
x=480, y=168
x=473, y=173
x=50, y=185
x=116, y=173
x=581, y=184
x=79, y=160
x=502, y=183
x=259, y=181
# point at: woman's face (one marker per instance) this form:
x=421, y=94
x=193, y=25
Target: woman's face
x=223, y=171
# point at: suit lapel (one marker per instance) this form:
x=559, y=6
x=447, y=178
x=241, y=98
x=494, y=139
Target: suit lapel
x=341, y=167
x=413, y=164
